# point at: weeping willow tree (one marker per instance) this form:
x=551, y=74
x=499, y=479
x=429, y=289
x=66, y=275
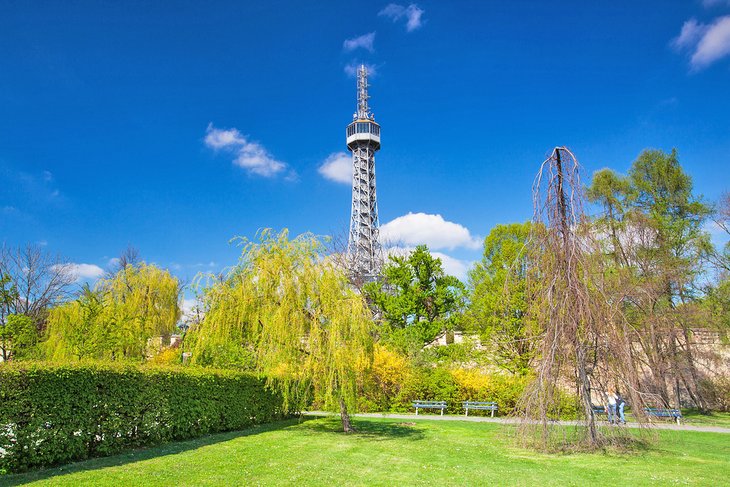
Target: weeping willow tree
x=286, y=312
x=585, y=345
x=116, y=319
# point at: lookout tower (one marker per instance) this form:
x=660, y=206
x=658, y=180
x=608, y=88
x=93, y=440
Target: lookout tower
x=363, y=139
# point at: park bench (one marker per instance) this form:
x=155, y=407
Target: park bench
x=599, y=410
x=675, y=414
x=484, y=406
x=429, y=405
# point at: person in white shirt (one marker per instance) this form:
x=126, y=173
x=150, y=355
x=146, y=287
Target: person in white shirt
x=611, y=406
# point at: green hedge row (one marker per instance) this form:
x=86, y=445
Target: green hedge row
x=56, y=414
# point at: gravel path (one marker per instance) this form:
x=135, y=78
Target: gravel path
x=481, y=419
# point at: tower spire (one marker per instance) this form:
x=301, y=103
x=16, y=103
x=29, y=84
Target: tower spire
x=363, y=111
x=363, y=140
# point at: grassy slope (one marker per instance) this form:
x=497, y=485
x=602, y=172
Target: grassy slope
x=387, y=452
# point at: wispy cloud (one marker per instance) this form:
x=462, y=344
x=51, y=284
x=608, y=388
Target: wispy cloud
x=364, y=41
x=351, y=69
x=337, y=167
x=423, y=228
x=714, y=3
x=251, y=156
x=705, y=43
x=83, y=272
x=412, y=14
x=39, y=187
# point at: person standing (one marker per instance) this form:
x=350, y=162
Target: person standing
x=611, y=407
x=620, y=403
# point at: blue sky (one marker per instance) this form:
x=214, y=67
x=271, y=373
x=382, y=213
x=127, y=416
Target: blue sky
x=174, y=126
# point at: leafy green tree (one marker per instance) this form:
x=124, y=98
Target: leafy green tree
x=653, y=223
x=416, y=299
x=610, y=190
x=717, y=301
x=116, y=320
x=18, y=336
x=498, y=304
x=8, y=294
x=289, y=314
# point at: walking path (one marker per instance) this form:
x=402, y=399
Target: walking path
x=482, y=419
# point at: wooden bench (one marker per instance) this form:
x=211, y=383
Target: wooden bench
x=484, y=406
x=429, y=405
x=675, y=414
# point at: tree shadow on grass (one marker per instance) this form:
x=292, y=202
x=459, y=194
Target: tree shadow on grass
x=371, y=430
x=133, y=456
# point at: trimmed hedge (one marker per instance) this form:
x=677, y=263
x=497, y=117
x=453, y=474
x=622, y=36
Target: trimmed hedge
x=54, y=414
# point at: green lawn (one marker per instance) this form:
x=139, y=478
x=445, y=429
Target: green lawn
x=693, y=417
x=390, y=452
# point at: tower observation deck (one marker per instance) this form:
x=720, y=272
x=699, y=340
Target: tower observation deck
x=363, y=139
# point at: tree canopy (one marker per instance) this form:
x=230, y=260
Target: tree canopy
x=116, y=319
x=287, y=312
x=498, y=305
x=416, y=299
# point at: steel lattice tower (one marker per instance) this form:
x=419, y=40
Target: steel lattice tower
x=363, y=139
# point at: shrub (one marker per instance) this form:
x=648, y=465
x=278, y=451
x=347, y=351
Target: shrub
x=168, y=356
x=389, y=372
x=476, y=385
x=394, y=383
x=56, y=414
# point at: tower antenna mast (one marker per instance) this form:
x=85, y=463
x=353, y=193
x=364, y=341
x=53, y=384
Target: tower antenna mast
x=364, y=251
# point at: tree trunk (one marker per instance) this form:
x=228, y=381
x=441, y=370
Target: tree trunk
x=694, y=391
x=585, y=392
x=346, y=424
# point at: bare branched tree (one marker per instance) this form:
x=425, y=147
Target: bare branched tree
x=584, y=341
x=39, y=280
x=128, y=256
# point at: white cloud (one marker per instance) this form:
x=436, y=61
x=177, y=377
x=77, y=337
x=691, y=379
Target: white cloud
x=351, y=69
x=411, y=13
x=337, y=167
x=691, y=32
x=706, y=43
x=453, y=266
x=219, y=138
x=84, y=271
x=187, y=305
x=365, y=41
x=432, y=230
x=251, y=156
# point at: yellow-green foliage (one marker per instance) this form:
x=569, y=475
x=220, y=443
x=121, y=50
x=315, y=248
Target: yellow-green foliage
x=395, y=381
x=168, y=356
x=286, y=312
x=389, y=373
x=116, y=319
x=477, y=385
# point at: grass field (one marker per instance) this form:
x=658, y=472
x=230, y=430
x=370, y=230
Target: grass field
x=693, y=417
x=389, y=452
